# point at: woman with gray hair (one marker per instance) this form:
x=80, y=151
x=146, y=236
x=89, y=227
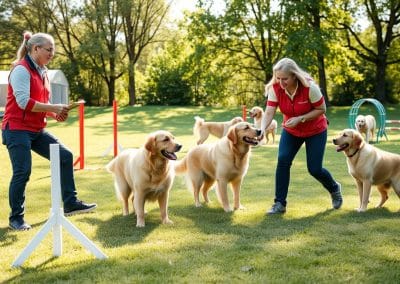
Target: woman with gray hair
x=24, y=122
x=303, y=107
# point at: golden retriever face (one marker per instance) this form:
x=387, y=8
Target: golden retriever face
x=162, y=143
x=256, y=112
x=366, y=124
x=243, y=133
x=347, y=140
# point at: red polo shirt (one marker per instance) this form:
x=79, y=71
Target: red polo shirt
x=300, y=104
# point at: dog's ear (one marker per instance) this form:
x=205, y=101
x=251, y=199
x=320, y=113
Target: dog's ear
x=357, y=138
x=232, y=135
x=150, y=144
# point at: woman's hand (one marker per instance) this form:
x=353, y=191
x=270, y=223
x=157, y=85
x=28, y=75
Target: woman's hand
x=62, y=117
x=293, y=121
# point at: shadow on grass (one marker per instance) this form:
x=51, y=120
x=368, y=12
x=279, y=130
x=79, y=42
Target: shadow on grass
x=249, y=239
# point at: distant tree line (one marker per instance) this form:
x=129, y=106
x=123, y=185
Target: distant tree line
x=133, y=51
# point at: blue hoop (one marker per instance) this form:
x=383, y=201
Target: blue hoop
x=382, y=116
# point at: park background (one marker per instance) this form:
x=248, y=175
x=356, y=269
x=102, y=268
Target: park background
x=163, y=70
x=218, y=52
x=310, y=243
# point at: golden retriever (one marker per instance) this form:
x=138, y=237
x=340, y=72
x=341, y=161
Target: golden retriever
x=366, y=124
x=256, y=113
x=225, y=161
x=146, y=174
x=203, y=129
x=369, y=166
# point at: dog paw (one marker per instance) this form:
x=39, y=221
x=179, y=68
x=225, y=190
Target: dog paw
x=198, y=205
x=140, y=225
x=167, y=222
x=360, y=210
x=228, y=209
x=241, y=207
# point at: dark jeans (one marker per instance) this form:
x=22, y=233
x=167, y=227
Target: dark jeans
x=19, y=144
x=289, y=146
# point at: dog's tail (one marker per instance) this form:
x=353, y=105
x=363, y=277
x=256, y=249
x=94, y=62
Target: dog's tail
x=180, y=166
x=110, y=167
x=198, y=122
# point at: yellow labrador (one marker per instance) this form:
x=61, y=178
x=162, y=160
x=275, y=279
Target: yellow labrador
x=203, y=129
x=366, y=124
x=146, y=174
x=369, y=166
x=225, y=161
x=256, y=113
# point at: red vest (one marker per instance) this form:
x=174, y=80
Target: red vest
x=300, y=105
x=25, y=119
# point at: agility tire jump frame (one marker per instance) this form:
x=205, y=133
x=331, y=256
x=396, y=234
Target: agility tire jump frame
x=382, y=116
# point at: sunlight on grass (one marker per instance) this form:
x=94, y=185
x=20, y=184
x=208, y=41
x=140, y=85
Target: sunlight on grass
x=311, y=243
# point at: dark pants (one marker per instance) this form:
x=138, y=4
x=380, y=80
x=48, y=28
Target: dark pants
x=289, y=146
x=19, y=144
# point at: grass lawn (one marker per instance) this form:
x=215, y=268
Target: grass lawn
x=311, y=243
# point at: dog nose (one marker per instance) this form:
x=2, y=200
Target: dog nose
x=334, y=141
x=178, y=147
x=258, y=132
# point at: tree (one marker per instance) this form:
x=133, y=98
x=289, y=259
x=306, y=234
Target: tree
x=309, y=35
x=385, y=27
x=63, y=15
x=103, y=22
x=142, y=20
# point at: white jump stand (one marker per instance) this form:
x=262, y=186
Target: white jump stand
x=57, y=218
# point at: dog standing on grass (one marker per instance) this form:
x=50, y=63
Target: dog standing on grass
x=203, y=129
x=257, y=113
x=369, y=166
x=146, y=174
x=225, y=162
x=366, y=124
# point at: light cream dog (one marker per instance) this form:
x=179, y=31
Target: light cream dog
x=146, y=174
x=257, y=113
x=225, y=161
x=203, y=129
x=366, y=124
x=369, y=166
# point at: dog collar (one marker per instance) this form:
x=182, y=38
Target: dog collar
x=352, y=155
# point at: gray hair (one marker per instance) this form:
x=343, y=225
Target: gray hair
x=38, y=39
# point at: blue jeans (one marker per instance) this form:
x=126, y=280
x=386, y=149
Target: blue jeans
x=19, y=144
x=289, y=146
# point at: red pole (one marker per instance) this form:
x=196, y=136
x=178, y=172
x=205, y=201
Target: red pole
x=81, y=158
x=115, y=127
x=244, y=113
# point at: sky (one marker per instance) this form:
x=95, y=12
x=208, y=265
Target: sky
x=179, y=6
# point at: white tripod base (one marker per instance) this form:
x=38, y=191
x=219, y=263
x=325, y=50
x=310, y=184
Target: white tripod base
x=57, y=219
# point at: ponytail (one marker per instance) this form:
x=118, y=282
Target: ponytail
x=23, y=49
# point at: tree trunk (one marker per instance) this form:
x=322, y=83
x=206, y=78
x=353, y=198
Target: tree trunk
x=132, y=84
x=111, y=91
x=380, y=79
x=322, y=78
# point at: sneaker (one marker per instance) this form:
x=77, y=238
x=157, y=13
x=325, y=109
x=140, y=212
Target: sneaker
x=19, y=225
x=337, y=199
x=277, y=208
x=78, y=207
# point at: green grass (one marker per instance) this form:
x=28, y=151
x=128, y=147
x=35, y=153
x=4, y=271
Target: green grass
x=309, y=244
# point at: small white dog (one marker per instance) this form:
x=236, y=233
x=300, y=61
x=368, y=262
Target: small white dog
x=257, y=113
x=366, y=124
